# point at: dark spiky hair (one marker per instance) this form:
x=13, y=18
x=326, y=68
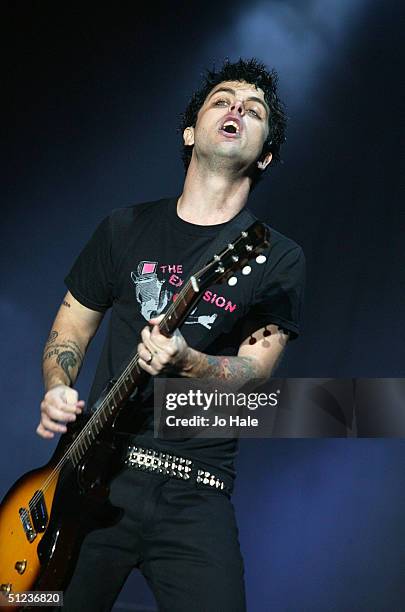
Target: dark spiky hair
x=255, y=73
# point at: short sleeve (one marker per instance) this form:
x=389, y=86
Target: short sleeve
x=279, y=298
x=90, y=280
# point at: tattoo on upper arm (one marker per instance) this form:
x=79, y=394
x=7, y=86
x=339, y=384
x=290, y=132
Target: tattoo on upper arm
x=227, y=368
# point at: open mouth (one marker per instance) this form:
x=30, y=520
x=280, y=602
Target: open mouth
x=230, y=128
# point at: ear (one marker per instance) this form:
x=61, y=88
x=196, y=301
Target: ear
x=188, y=136
x=262, y=165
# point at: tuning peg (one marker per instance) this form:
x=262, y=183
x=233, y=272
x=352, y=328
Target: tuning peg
x=260, y=259
x=246, y=270
x=248, y=247
x=220, y=269
x=235, y=258
x=244, y=234
x=232, y=281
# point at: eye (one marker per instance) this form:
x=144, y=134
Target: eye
x=254, y=113
x=220, y=101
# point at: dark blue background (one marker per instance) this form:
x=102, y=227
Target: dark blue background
x=91, y=102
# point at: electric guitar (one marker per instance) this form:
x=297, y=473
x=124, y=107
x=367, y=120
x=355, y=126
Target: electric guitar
x=46, y=514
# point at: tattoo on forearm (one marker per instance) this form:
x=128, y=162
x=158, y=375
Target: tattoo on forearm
x=71, y=345
x=65, y=303
x=226, y=368
x=68, y=355
x=66, y=360
x=52, y=337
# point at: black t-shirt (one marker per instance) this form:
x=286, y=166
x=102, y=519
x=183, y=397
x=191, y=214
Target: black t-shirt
x=136, y=262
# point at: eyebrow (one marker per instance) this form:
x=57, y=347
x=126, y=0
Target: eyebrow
x=232, y=91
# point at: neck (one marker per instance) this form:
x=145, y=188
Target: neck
x=211, y=198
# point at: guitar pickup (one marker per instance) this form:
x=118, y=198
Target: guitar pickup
x=39, y=514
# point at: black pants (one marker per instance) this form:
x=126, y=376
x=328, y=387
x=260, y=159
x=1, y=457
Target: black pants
x=184, y=540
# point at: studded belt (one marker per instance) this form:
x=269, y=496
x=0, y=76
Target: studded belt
x=149, y=460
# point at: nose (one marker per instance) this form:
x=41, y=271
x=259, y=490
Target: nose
x=237, y=106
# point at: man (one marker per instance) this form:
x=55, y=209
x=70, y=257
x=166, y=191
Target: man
x=181, y=534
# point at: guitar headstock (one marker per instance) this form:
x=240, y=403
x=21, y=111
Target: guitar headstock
x=236, y=256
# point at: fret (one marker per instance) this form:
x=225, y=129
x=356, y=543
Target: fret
x=77, y=454
x=96, y=423
x=80, y=448
x=113, y=399
x=72, y=456
x=111, y=403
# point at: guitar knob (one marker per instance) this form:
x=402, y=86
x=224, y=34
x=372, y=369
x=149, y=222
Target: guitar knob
x=246, y=270
x=260, y=259
x=20, y=566
x=232, y=281
x=6, y=588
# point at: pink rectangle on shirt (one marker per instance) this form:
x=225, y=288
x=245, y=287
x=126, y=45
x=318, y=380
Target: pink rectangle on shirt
x=148, y=267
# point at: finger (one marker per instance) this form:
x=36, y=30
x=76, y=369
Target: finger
x=41, y=431
x=71, y=396
x=57, y=414
x=151, y=347
x=145, y=354
x=62, y=393
x=72, y=399
x=145, y=334
x=156, y=320
x=62, y=406
x=159, y=342
x=59, y=400
x=148, y=367
x=51, y=425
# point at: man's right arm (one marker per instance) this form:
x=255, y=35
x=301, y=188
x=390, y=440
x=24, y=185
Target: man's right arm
x=71, y=333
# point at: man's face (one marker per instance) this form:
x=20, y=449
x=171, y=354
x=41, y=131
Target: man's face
x=232, y=125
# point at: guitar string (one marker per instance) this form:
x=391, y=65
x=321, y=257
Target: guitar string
x=55, y=472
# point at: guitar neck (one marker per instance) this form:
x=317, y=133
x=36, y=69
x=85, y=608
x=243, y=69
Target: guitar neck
x=234, y=257
x=132, y=376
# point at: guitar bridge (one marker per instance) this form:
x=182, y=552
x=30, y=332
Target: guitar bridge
x=27, y=525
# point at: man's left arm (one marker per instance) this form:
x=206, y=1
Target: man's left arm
x=257, y=356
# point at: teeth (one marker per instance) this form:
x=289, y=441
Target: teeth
x=230, y=122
